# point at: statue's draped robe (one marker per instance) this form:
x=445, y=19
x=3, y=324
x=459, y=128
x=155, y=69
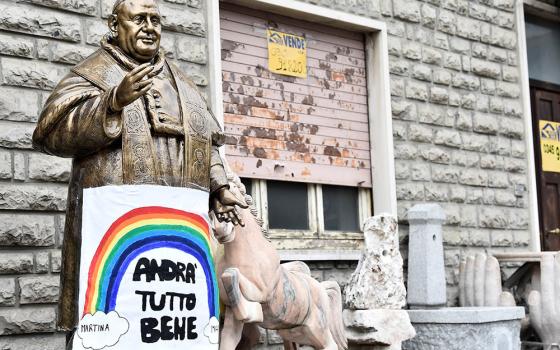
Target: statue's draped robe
x=122, y=148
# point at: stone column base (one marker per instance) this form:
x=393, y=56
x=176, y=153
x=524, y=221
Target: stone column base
x=462, y=328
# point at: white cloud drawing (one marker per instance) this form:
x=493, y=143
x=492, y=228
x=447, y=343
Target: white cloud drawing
x=101, y=330
x=212, y=330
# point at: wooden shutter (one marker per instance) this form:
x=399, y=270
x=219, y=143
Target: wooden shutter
x=312, y=129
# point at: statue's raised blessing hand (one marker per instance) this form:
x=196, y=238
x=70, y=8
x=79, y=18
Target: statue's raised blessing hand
x=132, y=87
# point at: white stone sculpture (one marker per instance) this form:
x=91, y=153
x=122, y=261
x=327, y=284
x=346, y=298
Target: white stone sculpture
x=377, y=282
x=544, y=305
x=376, y=294
x=480, y=282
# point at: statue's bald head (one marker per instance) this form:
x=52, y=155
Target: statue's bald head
x=136, y=28
x=116, y=6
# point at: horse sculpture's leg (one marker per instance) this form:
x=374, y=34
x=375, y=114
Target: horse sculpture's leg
x=231, y=332
x=313, y=333
x=323, y=328
x=250, y=338
x=243, y=309
x=288, y=345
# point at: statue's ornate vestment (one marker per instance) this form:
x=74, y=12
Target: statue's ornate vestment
x=169, y=137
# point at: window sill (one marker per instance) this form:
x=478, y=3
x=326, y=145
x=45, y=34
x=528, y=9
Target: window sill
x=316, y=244
x=299, y=234
x=319, y=255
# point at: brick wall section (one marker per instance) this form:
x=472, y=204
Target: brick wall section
x=457, y=119
x=39, y=42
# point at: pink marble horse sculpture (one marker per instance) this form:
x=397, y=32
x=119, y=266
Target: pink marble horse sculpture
x=259, y=291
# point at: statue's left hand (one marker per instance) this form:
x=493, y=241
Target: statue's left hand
x=224, y=204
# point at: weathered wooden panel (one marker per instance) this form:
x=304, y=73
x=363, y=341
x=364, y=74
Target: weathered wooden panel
x=274, y=114
x=335, y=157
x=299, y=128
x=301, y=101
x=315, y=58
x=279, y=90
x=275, y=144
x=312, y=129
x=306, y=106
x=239, y=135
x=316, y=77
x=271, y=169
x=287, y=83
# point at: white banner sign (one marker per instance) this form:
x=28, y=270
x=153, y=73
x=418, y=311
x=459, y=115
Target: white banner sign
x=147, y=276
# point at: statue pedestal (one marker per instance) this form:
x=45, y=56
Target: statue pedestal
x=379, y=329
x=426, y=269
x=473, y=328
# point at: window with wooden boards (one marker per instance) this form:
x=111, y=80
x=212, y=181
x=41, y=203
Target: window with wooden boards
x=301, y=143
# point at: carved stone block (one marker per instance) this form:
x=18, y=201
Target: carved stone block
x=377, y=282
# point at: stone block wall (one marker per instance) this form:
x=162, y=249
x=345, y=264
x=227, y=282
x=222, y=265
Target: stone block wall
x=39, y=42
x=458, y=122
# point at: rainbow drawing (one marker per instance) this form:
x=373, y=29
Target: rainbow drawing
x=140, y=230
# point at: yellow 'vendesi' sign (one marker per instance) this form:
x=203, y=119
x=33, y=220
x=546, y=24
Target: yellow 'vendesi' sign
x=550, y=145
x=287, y=54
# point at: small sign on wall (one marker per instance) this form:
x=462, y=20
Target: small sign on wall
x=550, y=145
x=287, y=53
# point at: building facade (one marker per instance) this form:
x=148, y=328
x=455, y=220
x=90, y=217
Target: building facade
x=403, y=102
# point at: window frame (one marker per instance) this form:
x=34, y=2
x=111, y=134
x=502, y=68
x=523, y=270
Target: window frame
x=384, y=192
x=315, y=213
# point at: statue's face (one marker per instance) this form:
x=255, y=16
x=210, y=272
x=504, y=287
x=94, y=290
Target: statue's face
x=138, y=29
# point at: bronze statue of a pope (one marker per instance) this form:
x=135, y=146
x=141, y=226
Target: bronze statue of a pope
x=127, y=115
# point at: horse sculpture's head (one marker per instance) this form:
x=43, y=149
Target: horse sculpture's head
x=223, y=231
